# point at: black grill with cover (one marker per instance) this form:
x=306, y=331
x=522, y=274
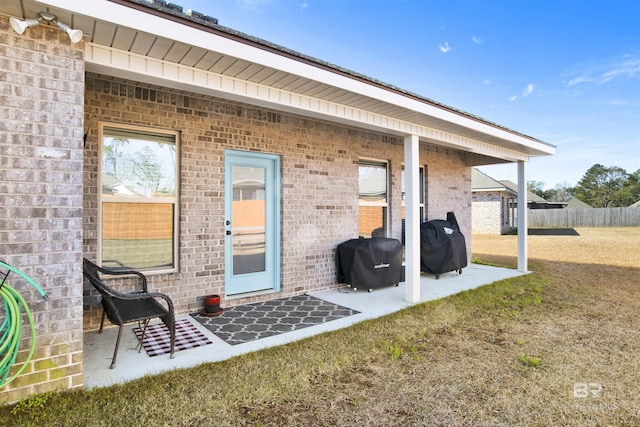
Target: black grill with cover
x=442, y=246
x=369, y=263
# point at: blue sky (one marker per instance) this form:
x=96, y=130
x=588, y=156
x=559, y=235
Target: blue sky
x=566, y=72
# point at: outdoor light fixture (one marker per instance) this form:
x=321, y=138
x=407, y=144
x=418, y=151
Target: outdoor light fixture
x=20, y=26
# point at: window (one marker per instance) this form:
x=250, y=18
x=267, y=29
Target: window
x=373, y=199
x=421, y=192
x=139, y=198
x=421, y=176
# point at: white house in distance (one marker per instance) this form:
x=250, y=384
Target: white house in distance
x=160, y=140
x=492, y=205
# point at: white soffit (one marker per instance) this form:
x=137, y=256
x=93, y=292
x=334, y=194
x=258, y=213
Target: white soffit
x=459, y=131
x=133, y=67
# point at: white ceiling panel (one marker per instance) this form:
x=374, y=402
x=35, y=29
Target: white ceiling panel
x=176, y=52
x=325, y=92
x=123, y=38
x=193, y=56
x=142, y=43
x=274, y=79
x=309, y=88
x=236, y=68
x=223, y=64
x=208, y=60
x=160, y=48
x=263, y=75
x=250, y=72
x=102, y=33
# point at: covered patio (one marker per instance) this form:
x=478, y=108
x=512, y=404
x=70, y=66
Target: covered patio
x=98, y=348
x=205, y=110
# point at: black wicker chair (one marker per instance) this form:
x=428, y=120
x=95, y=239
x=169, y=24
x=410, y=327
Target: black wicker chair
x=139, y=306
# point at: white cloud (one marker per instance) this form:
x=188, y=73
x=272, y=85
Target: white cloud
x=486, y=82
x=529, y=89
x=476, y=40
x=627, y=67
x=445, y=48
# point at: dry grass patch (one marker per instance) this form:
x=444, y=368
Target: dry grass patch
x=607, y=246
x=506, y=354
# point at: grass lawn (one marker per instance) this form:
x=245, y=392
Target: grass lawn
x=560, y=346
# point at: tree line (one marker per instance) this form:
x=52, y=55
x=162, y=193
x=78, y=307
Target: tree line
x=599, y=187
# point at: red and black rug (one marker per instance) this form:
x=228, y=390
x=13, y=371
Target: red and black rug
x=157, y=340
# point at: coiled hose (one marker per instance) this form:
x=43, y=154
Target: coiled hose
x=11, y=328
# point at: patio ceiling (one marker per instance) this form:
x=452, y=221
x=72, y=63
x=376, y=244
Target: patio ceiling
x=135, y=40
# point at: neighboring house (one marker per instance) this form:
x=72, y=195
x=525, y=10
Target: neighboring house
x=495, y=204
x=492, y=205
x=575, y=203
x=533, y=200
x=137, y=144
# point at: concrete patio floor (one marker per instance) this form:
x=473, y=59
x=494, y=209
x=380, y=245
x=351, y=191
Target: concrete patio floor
x=98, y=348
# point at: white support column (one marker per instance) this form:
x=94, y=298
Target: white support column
x=523, y=222
x=412, y=218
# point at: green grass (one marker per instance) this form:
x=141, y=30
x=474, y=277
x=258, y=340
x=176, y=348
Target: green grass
x=247, y=389
x=510, y=353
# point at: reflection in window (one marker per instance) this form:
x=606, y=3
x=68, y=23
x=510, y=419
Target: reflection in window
x=373, y=200
x=421, y=198
x=420, y=195
x=248, y=219
x=138, y=199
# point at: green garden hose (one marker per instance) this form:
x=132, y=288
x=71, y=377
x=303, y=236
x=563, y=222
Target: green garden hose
x=11, y=328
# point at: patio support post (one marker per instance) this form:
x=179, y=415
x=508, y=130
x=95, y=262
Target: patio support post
x=412, y=218
x=523, y=222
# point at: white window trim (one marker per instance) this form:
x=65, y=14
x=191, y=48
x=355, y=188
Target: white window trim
x=423, y=195
x=385, y=204
x=175, y=200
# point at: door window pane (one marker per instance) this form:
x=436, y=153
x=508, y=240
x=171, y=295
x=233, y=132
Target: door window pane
x=249, y=219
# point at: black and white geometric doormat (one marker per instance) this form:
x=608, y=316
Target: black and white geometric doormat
x=252, y=322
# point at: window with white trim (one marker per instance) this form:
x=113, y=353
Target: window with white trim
x=373, y=198
x=421, y=197
x=138, y=218
x=421, y=192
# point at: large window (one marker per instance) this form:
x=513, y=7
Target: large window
x=421, y=198
x=421, y=178
x=139, y=198
x=373, y=199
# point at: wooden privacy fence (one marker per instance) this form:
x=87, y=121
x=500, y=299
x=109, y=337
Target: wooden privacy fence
x=584, y=217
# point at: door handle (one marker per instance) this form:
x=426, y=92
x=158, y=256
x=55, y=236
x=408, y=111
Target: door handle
x=228, y=233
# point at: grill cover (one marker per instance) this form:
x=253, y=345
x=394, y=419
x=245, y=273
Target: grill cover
x=369, y=263
x=442, y=246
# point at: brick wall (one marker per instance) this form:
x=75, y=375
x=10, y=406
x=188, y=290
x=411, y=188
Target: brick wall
x=319, y=183
x=490, y=213
x=41, y=98
x=449, y=187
